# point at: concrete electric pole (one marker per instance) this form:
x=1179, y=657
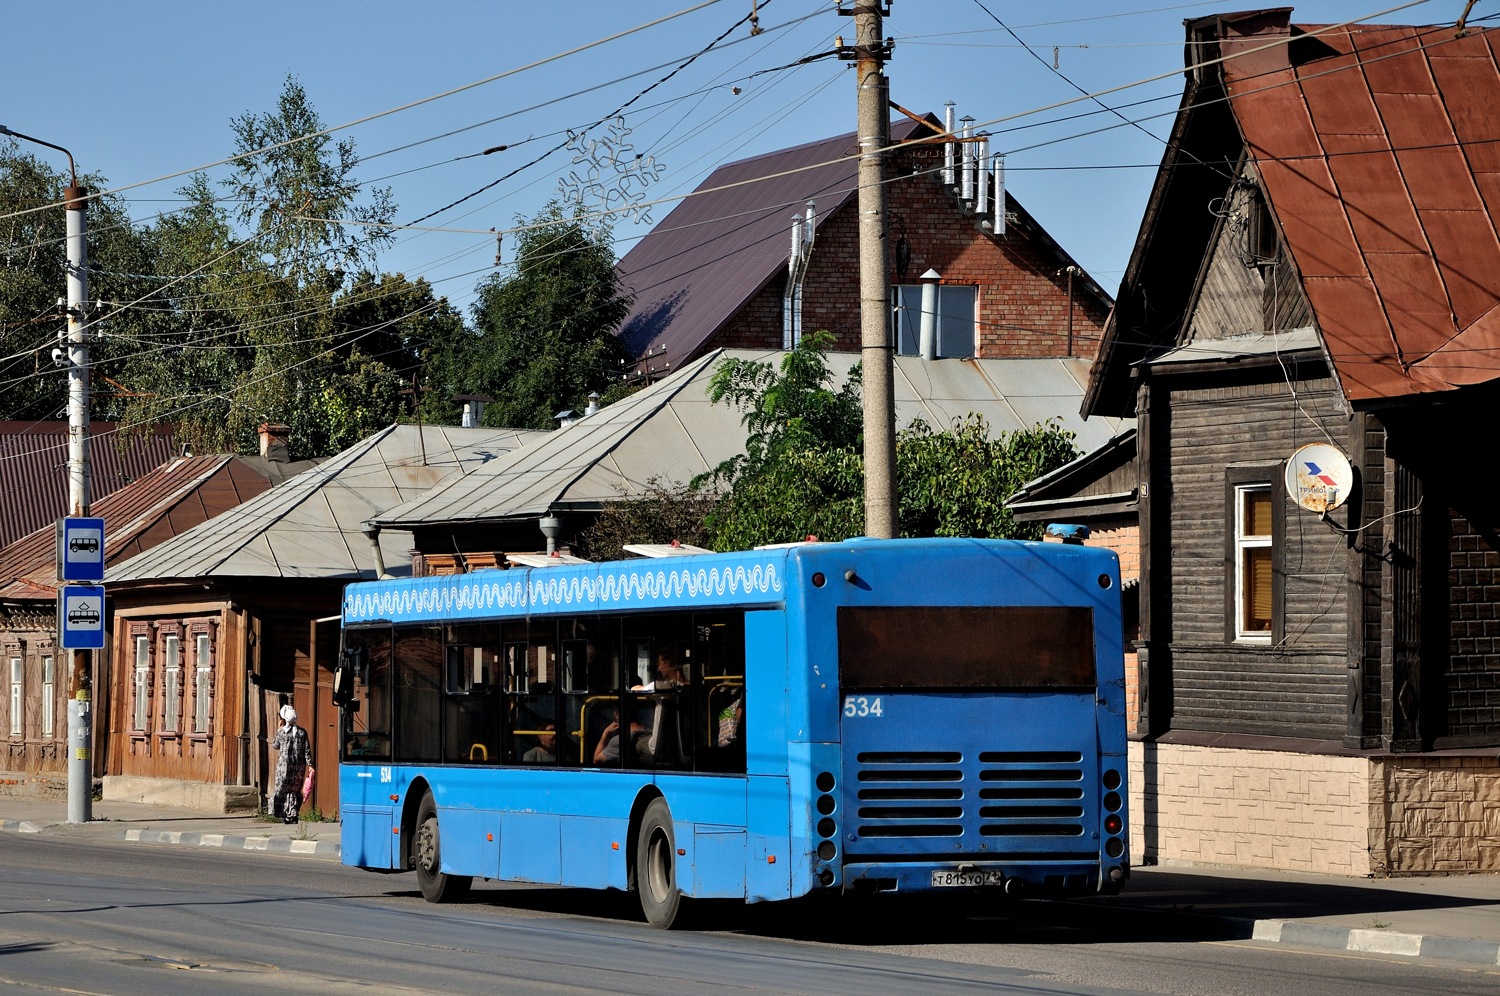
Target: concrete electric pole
x=873, y=130
x=80, y=711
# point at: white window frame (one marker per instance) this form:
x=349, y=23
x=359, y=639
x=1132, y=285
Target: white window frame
x=17, y=696
x=203, y=683
x=49, y=694
x=1244, y=543
x=141, y=714
x=171, y=683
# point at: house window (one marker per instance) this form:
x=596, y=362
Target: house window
x=142, y=683
x=17, y=699
x=49, y=694
x=955, y=319
x=203, y=682
x=1253, y=590
x=171, y=684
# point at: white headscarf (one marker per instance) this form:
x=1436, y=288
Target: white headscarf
x=288, y=714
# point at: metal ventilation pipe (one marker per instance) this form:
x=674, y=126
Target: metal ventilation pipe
x=948, y=149
x=981, y=201
x=999, y=162
x=551, y=527
x=966, y=169
x=928, y=339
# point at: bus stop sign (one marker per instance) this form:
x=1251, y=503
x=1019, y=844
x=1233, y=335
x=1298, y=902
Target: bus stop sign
x=80, y=549
x=80, y=616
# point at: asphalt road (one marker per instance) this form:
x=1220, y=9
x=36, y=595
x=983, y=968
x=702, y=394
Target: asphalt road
x=85, y=917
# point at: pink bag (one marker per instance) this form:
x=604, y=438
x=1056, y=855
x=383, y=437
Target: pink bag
x=307, y=782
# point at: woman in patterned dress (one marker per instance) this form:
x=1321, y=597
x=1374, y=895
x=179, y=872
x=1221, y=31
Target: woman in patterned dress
x=294, y=755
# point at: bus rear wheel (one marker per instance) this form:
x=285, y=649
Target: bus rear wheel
x=437, y=887
x=656, y=866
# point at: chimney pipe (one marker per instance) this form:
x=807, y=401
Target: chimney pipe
x=928, y=340
x=273, y=442
x=948, y=148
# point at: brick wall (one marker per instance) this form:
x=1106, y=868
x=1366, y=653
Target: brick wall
x=1249, y=809
x=1407, y=814
x=1023, y=293
x=1473, y=631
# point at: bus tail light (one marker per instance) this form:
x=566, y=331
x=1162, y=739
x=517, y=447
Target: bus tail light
x=1113, y=823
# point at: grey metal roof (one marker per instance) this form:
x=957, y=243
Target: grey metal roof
x=1242, y=346
x=718, y=248
x=670, y=430
x=310, y=527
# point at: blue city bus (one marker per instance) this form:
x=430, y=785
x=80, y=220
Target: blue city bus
x=872, y=716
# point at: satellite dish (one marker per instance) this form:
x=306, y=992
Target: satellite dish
x=1318, y=477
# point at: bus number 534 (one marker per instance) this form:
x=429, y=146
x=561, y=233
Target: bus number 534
x=859, y=706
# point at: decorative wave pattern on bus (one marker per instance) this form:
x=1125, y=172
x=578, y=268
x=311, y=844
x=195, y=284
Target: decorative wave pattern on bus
x=472, y=595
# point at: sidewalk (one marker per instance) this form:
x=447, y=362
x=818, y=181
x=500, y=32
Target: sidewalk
x=1454, y=918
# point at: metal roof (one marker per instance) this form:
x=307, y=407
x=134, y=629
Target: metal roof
x=718, y=248
x=1237, y=347
x=310, y=527
x=1379, y=151
x=169, y=500
x=670, y=430
x=34, y=469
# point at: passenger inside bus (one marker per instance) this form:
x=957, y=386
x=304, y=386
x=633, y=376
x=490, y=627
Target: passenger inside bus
x=669, y=673
x=608, y=749
x=545, y=751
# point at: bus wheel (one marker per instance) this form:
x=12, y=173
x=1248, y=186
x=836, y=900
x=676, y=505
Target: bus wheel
x=427, y=855
x=655, y=867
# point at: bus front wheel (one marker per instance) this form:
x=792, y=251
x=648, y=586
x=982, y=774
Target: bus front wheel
x=437, y=887
x=656, y=866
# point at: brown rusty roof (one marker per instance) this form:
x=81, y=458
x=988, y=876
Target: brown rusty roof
x=718, y=248
x=168, y=500
x=34, y=469
x=1379, y=152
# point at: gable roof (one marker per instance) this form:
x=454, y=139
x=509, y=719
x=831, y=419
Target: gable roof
x=719, y=247
x=34, y=469
x=1378, y=151
x=670, y=430
x=310, y=527
x=179, y=494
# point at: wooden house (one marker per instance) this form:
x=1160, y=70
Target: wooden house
x=1318, y=265
x=159, y=504
x=215, y=629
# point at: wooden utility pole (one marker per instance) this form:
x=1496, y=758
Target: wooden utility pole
x=873, y=131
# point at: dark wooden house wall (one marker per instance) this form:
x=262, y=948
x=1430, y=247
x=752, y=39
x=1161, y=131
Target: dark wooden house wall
x=1294, y=686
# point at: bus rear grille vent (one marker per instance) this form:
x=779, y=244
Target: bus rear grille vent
x=1031, y=794
x=909, y=794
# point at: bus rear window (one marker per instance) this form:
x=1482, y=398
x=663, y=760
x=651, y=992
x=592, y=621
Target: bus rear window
x=966, y=647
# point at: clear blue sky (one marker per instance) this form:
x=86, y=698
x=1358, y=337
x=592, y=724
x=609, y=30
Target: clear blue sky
x=141, y=91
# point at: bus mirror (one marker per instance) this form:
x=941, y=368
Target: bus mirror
x=343, y=685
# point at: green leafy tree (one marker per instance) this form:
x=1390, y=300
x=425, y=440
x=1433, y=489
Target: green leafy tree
x=33, y=260
x=297, y=193
x=802, y=472
x=543, y=335
x=663, y=512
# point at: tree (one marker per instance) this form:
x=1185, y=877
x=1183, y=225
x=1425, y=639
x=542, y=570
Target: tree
x=802, y=472
x=295, y=187
x=544, y=335
x=664, y=512
x=33, y=257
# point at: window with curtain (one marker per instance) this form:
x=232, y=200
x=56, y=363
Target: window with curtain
x=1254, y=562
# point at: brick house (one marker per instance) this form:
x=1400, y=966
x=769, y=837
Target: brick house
x=1318, y=265
x=717, y=272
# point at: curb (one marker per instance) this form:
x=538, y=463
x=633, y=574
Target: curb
x=1382, y=942
x=235, y=842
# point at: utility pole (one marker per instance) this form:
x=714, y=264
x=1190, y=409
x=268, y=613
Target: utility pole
x=873, y=131
x=80, y=705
